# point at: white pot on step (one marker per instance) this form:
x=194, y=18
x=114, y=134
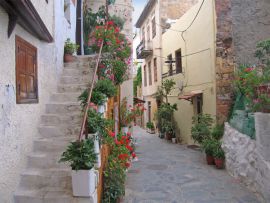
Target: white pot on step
x=101, y=109
x=125, y=130
x=98, y=164
x=174, y=140
x=84, y=182
x=96, y=143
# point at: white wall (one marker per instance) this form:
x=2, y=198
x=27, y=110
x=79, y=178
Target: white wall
x=19, y=122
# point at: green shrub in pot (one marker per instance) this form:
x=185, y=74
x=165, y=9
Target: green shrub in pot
x=106, y=87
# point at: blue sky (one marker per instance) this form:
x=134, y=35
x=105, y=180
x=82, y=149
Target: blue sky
x=138, y=7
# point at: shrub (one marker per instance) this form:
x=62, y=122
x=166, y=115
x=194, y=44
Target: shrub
x=106, y=87
x=80, y=154
x=201, y=128
x=70, y=47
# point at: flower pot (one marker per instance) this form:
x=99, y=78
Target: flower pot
x=125, y=130
x=174, y=140
x=97, y=148
x=168, y=136
x=210, y=160
x=68, y=58
x=98, y=164
x=219, y=163
x=101, y=109
x=84, y=182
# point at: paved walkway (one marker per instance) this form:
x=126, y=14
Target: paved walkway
x=171, y=173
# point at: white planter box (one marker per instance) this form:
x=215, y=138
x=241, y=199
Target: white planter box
x=84, y=182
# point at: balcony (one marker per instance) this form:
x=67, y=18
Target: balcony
x=144, y=50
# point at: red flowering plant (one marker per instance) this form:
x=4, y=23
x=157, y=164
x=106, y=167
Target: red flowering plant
x=117, y=51
x=248, y=82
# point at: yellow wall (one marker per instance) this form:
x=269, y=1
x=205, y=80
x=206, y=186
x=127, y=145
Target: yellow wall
x=198, y=69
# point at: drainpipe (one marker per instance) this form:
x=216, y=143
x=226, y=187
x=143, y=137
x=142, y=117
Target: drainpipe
x=79, y=27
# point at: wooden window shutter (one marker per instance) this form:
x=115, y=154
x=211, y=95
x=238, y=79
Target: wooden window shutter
x=26, y=72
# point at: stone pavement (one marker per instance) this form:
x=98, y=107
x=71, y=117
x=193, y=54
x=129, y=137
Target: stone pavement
x=171, y=173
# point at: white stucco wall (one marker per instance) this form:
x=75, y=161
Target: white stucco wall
x=19, y=122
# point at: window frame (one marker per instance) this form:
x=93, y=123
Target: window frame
x=150, y=73
x=155, y=70
x=178, y=63
x=145, y=75
x=170, y=69
x=21, y=42
x=154, y=31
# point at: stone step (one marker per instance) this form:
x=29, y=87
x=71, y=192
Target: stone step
x=56, y=120
x=77, y=72
x=43, y=196
x=80, y=65
x=65, y=80
x=49, y=195
x=36, y=179
x=63, y=131
x=52, y=145
x=63, y=108
x=64, y=97
x=42, y=160
x=72, y=88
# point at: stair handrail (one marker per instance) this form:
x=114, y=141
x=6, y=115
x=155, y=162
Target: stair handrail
x=91, y=88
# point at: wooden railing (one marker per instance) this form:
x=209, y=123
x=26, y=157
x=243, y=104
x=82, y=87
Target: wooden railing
x=86, y=108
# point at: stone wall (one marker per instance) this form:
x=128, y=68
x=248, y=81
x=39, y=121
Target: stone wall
x=224, y=58
x=175, y=9
x=247, y=159
x=251, y=23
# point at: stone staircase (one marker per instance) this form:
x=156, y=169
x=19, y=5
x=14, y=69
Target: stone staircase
x=45, y=180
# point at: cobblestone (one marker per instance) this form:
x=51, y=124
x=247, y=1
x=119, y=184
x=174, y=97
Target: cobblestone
x=172, y=173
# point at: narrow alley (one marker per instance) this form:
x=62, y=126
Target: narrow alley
x=172, y=173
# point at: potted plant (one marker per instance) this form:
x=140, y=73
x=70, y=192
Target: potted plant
x=126, y=116
x=209, y=146
x=69, y=50
x=174, y=138
x=82, y=157
x=150, y=127
x=201, y=128
x=219, y=156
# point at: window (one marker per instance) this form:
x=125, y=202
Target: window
x=198, y=104
x=149, y=111
x=178, y=59
x=155, y=69
x=148, y=33
x=170, y=71
x=150, y=73
x=143, y=34
x=145, y=76
x=153, y=27
x=26, y=72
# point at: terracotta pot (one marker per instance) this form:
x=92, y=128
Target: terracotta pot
x=210, y=160
x=68, y=58
x=168, y=136
x=219, y=163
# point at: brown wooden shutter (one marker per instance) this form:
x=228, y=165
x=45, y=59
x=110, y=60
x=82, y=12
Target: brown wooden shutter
x=26, y=72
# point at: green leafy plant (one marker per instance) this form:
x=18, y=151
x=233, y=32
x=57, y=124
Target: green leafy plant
x=217, y=131
x=97, y=98
x=201, y=128
x=80, y=154
x=219, y=152
x=96, y=122
x=70, y=47
x=137, y=81
x=106, y=87
x=150, y=125
x=209, y=145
